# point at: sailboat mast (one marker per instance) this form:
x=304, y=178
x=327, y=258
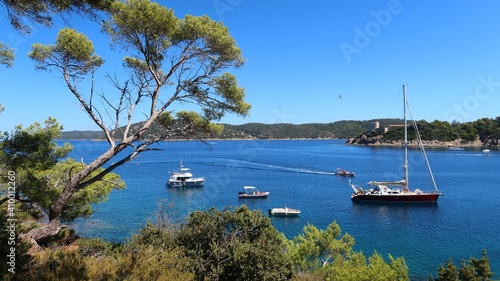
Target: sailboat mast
x=406, y=186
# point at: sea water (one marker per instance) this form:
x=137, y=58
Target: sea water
x=300, y=174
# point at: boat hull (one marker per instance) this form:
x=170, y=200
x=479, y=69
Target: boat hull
x=196, y=183
x=253, y=195
x=282, y=212
x=345, y=174
x=397, y=198
x=486, y=152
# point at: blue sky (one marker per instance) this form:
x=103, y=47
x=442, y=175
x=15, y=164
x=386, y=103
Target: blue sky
x=301, y=57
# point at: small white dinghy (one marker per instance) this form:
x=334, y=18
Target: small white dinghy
x=284, y=212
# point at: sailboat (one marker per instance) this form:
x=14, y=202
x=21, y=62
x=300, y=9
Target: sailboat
x=398, y=191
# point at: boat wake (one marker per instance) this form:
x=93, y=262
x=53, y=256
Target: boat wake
x=465, y=154
x=267, y=167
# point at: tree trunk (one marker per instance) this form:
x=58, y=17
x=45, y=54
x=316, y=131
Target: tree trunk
x=54, y=225
x=44, y=231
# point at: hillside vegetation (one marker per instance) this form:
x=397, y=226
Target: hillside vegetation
x=484, y=132
x=339, y=130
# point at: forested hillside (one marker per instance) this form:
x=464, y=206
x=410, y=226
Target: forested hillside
x=483, y=132
x=340, y=130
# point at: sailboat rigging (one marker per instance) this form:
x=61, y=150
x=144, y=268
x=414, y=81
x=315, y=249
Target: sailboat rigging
x=398, y=191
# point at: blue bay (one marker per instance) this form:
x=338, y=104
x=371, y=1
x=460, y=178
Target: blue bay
x=299, y=174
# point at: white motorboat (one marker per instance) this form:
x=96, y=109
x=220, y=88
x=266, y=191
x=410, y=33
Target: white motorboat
x=183, y=177
x=486, y=152
x=284, y=212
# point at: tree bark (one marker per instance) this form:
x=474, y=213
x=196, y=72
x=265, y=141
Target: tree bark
x=44, y=231
x=54, y=226
x=75, y=184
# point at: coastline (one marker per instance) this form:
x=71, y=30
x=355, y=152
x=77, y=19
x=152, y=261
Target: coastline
x=378, y=140
x=438, y=144
x=212, y=139
x=351, y=141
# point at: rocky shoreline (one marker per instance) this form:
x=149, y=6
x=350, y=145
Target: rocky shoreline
x=379, y=141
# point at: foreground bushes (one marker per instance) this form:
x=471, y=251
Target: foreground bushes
x=94, y=259
x=232, y=244
x=474, y=270
x=328, y=255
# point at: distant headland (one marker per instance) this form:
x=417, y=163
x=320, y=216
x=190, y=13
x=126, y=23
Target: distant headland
x=481, y=133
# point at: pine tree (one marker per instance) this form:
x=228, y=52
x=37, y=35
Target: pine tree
x=482, y=267
x=466, y=272
x=448, y=272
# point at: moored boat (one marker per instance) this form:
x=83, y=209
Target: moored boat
x=184, y=178
x=252, y=192
x=284, y=212
x=383, y=193
x=398, y=191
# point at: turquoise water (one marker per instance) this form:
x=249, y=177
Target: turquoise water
x=299, y=174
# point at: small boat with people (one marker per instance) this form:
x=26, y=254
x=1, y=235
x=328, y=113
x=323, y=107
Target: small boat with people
x=184, y=178
x=252, y=192
x=344, y=173
x=284, y=212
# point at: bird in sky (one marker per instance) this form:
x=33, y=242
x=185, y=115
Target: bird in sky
x=340, y=97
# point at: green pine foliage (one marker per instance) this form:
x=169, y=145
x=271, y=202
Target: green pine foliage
x=41, y=175
x=486, y=130
x=20, y=254
x=328, y=255
x=230, y=244
x=237, y=244
x=448, y=272
x=474, y=270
